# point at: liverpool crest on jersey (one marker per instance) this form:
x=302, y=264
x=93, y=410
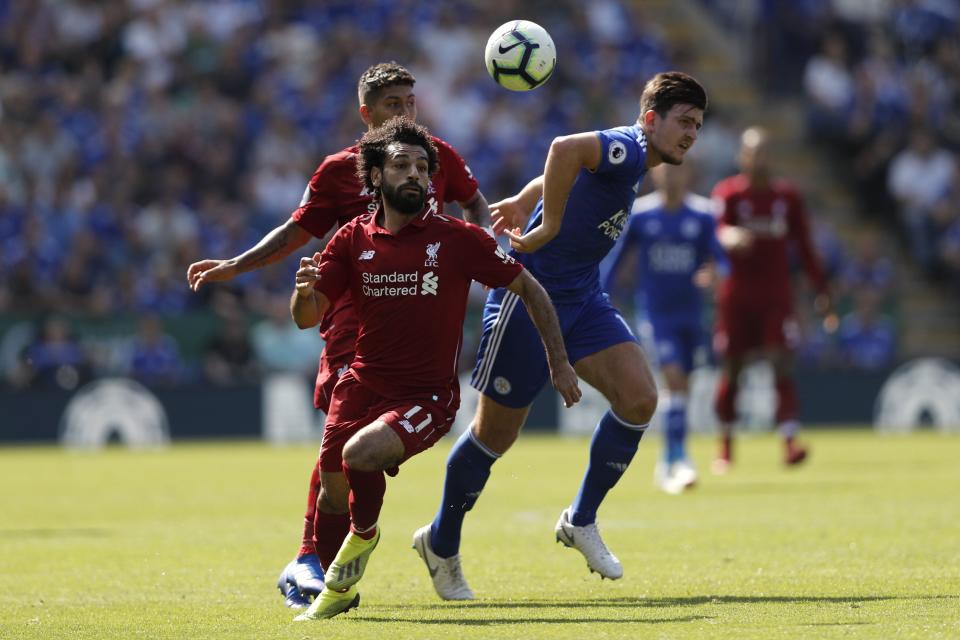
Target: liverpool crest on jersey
x=432, y=250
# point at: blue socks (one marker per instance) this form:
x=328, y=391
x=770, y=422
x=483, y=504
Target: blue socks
x=675, y=430
x=614, y=443
x=468, y=468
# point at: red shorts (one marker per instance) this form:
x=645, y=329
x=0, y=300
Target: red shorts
x=744, y=327
x=334, y=362
x=419, y=423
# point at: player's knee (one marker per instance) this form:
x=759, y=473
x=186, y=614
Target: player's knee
x=496, y=437
x=639, y=406
x=358, y=454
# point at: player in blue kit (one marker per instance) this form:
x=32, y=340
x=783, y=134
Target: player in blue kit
x=580, y=205
x=673, y=234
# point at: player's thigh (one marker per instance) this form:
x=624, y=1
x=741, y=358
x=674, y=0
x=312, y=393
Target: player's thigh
x=334, y=362
x=496, y=425
x=739, y=331
x=621, y=373
x=674, y=353
x=511, y=365
x=781, y=335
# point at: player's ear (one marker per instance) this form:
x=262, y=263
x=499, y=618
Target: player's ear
x=375, y=176
x=649, y=117
x=365, y=114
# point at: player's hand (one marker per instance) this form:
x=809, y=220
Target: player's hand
x=705, y=276
x=210, y=271
x=564, y=380
x=507, y=214
x=307, y=275
x=735, y=239
x=530, y=241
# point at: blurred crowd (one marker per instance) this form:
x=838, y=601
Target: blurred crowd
x=137, y=136
x=882, y=84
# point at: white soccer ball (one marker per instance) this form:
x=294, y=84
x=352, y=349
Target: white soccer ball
x=520, y=55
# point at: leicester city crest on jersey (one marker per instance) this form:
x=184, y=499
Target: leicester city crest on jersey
x=432, y=250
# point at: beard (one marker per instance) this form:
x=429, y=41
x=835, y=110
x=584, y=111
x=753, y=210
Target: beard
x=404, y=199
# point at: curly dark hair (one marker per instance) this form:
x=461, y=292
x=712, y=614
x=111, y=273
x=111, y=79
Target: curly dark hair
x=373, y=146
x=665, y=90
x=380, y=76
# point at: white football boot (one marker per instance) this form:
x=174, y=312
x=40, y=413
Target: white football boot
x=587, y=540
x=446, y=573
x=675, y=478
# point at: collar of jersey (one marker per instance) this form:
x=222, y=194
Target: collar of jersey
x=420, y=221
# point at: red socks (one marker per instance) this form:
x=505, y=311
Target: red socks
x=367, y=489
x=307, y=543
x=331, y=529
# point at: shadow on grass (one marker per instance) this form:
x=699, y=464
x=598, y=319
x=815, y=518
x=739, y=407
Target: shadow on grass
x=66, y=532
x=653, y=602
x=495, y=621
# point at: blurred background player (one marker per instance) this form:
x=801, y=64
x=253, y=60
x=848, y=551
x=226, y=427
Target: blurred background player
x=582, y=202
x=672, y=235
x=401, y=394
x=760, y=219
x=333, y=197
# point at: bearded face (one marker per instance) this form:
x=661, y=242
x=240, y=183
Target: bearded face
x=407, y=198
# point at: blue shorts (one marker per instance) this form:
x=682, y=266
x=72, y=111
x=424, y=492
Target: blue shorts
x=677, y=342
x=511, y=364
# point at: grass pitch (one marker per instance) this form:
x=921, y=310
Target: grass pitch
x=863, y=542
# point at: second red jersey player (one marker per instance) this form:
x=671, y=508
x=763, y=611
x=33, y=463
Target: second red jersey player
x=760, y=218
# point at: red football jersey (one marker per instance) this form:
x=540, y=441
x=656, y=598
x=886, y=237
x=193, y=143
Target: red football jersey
x=776, y=216
x=334, y=196
x=409, y=292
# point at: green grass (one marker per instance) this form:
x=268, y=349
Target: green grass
x=864, y=542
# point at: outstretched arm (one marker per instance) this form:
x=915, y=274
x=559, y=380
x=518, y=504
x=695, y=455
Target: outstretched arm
x=476, y=210
x=307, y=305
x=544, y=317
x=514, y=212
x=274, y=246
x=567, y=156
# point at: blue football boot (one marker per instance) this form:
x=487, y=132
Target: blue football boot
x=307, y=574
x=289, y=590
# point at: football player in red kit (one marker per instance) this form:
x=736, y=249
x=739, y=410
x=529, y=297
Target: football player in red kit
x=408, y=271
x=760, y=217
x=333, y=197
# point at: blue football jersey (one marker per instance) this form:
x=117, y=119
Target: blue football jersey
x=596, y=212
x=672, y=246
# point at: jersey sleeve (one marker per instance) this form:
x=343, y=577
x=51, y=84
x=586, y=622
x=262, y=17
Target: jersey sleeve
x=620, y=151
x=335, y=264
x=485, y=261
x=318, y=208
x=460, y=183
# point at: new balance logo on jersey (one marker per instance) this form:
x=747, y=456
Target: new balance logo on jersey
x=367, y=255
x=430, y=283
x=432, y=250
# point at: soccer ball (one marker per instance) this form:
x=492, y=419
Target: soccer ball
x=520, y=55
